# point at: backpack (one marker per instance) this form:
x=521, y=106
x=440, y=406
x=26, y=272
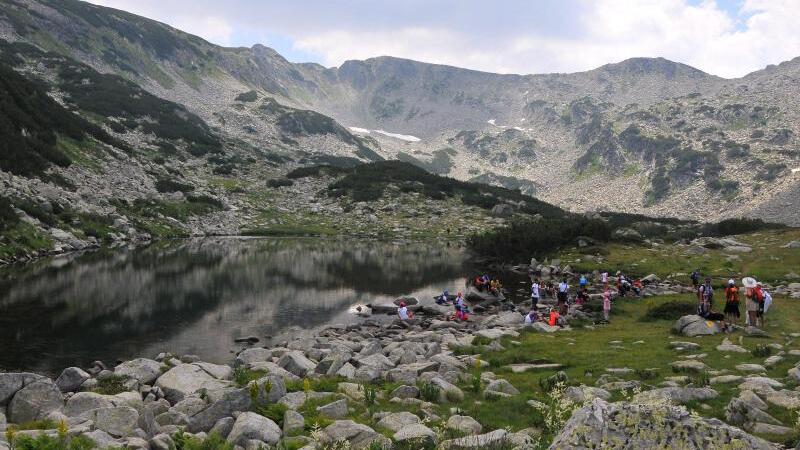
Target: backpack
x=759, y=295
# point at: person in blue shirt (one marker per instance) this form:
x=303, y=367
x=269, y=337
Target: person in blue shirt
x=583, y=281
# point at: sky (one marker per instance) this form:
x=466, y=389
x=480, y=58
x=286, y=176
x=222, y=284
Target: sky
x=728, y=38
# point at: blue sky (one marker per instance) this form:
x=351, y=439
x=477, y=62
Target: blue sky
x=724, y=37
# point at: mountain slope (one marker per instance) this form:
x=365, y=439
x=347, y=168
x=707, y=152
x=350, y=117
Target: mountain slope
x=642, y=135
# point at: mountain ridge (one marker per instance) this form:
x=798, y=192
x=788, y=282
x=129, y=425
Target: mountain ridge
x=586, y=140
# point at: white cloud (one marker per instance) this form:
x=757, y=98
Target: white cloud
x=509, y=36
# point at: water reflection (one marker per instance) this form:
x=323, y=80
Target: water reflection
x=197, y=296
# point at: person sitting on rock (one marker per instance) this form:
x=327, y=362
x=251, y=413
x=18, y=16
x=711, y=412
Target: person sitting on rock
x=554, y=318
x=532, y=316
x=444, y=298
x=403, y=313
x=460, y=308
x=637, y=287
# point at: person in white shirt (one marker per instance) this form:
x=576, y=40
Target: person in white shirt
x=403, y=312
x=563, y=293
x=535, y=293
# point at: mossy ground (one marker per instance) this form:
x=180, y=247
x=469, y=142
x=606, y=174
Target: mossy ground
x=586, y=353
x=767, y=262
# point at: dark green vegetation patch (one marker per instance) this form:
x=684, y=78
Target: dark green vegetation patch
x=31, y=122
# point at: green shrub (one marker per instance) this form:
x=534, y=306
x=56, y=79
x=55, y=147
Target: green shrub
x=167, y=185
x=526, y=237
x=730, y=227
x=761, y=351
x=8, y=217
x=112, y=385
x=44, y=442
x=671, y=310
x=249, y=97
x=279, y=182
x=428, y=392
x=273, y=411
x=213, y=442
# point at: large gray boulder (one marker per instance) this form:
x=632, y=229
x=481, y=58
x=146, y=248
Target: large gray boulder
x=296, y=363
x=185, y=379
x=251, y=426
x=464, y=424
x=117, y=421
x=219, y=408
x=494, y=439
x=71, y=379
x=143, y=370
x=415, y=434
x=334, y=410
x=631, y=426
x=693, y=325
x=677, y=395
x=293, y=423
x=10, y=383
x=358, y=435
x=396, y=421
x=250, y=356
x=35, y=401
x=83, y=402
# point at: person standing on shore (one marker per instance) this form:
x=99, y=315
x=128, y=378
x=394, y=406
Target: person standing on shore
x=563, y=294
x=535, y=293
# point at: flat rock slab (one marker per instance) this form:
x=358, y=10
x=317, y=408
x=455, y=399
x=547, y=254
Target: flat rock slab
x=725, y=379
x=690, y=365
x=519, y=368
x=750, y=368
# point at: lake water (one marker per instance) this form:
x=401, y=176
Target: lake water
x=197, y=296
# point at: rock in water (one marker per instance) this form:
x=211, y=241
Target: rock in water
x=631, y=426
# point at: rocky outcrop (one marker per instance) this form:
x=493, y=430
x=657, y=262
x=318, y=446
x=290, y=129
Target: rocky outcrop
x=633, y=426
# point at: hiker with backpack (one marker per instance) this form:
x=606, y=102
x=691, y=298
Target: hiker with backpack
x=705, y=295
x=764, y=304
x=753, y=298
x=732, y=302
x=695, y=279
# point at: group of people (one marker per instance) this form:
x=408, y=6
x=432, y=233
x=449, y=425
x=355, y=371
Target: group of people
x=484, y=283
x=757, y=301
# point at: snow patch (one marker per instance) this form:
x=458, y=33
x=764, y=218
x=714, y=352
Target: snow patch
x=358, y=130
x=402, y=137
x=796, y=170
x=492, y=122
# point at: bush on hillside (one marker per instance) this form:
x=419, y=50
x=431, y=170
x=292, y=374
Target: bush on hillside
x=671, y=310
x=164, y=185
x=8, y=218
x=249, y=96
x=526, y=237
x=730, y=227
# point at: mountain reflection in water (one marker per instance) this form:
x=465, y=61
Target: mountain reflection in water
x=196, y=296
